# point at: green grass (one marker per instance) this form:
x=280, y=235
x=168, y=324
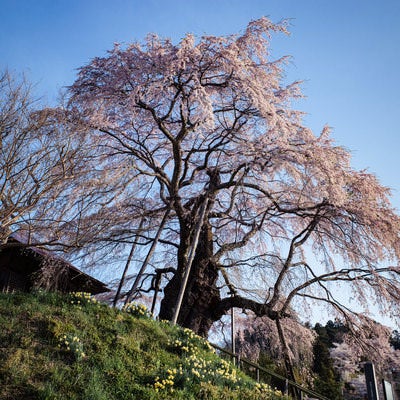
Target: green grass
x=55, y=346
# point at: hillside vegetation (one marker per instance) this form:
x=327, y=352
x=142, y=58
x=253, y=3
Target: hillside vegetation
x=56, y=346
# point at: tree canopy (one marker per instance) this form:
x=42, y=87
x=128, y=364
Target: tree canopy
x=207, y=125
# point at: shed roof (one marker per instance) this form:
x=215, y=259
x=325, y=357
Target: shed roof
x=18, y=257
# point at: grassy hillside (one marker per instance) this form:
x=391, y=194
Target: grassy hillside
x=56, y=346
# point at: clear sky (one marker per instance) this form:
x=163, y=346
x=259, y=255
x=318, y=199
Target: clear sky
x=346, y=51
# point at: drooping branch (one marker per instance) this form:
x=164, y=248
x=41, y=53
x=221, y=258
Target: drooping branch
x=128, y=261
x=296, y=242
x=153, y=246
x=285, y=351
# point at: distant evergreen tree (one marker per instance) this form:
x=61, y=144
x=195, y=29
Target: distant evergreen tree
x=395, y=340
x=326, y=381
x=335, y=331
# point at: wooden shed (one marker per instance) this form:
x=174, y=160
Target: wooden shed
x=23, y=268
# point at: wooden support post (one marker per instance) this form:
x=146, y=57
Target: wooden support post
x=190, y=260
x=135, y=285
x=128, y=262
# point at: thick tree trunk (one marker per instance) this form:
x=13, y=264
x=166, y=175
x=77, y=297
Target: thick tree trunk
x=202, y=304
x=201, y=296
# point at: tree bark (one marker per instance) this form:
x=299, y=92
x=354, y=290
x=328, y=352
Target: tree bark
x=201, y=295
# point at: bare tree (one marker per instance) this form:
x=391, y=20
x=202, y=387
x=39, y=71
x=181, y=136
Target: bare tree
x=49, y=175
x=32, y=164
x=210, y=121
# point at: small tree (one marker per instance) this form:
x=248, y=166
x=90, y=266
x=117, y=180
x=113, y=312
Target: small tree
x=259, y=339
x=33, y=166
x=49, y=181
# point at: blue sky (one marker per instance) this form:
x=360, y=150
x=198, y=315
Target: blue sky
x=346, y=51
